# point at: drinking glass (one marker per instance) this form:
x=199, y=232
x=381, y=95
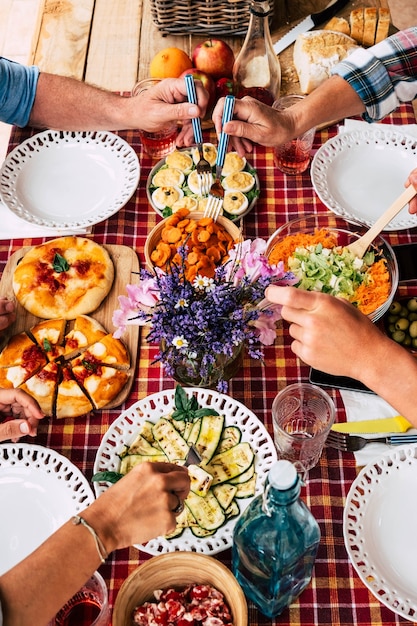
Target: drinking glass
x=293, y=157
x=159, y=143
x=88, y=607
x=302, y=415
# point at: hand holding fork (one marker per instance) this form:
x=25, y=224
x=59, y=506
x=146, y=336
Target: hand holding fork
x=204, y=171
x=216, y=196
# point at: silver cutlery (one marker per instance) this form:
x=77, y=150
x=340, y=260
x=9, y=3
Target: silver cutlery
x=193, y=456
x=204, y=170
x=353, y=443
x=216, y=196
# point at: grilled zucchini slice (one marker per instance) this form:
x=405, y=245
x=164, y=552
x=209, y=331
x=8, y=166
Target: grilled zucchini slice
x=231, y=463
x=207, y=511
x=211, y=430
x=170, y=440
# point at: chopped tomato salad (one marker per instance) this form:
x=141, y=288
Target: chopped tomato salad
x=195, y=605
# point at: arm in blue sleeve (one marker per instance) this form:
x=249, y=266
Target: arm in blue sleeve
x=17, y=91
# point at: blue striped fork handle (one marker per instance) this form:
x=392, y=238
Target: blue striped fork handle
x=216, y=196
x=204, y=169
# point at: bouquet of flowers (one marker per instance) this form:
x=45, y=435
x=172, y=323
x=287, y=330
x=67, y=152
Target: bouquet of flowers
x=200, y=325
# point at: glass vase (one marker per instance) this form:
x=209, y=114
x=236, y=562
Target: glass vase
x=187, y=373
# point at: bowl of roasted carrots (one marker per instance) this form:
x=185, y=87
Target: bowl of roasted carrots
x=206, y=243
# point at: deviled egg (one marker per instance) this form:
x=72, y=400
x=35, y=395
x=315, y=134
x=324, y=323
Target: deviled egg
x=235, y=202
x=180, y=160
x=239, y=181
x=194, y=183
x=166, y=197
x=233, y=163
x=168, y=177
x=209, y=152
x=186, y=202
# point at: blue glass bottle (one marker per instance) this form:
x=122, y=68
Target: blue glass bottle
x=275, y=543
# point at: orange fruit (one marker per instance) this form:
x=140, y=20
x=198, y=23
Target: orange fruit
x=169, y=63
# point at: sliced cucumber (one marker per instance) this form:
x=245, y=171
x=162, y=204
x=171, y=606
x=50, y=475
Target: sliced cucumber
x=231, y=463
x=207, y=511
x=209, y=436
x=231, y=436
x=170, y=440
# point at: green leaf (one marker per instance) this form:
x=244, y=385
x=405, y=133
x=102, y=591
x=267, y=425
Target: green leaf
x=203, y=412
x=60, y=264
x=47, y=345
x=107, y=477
x=178, y=415
x=181, y=400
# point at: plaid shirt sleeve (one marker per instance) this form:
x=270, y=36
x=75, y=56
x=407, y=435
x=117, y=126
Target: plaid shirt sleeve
x=384, y=75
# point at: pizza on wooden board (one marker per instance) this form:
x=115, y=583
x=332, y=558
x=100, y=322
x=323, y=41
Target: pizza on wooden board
x=63, y=278
x=70, y=372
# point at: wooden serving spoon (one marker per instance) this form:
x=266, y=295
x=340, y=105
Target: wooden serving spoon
x=360, y=246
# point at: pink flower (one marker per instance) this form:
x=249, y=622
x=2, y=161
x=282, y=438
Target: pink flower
x=266, y=323
x=248, y=259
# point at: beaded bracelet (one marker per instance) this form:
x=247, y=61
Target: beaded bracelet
x=76, y=520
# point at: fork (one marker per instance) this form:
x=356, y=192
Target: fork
x=352, y=443
x=216, y=196
x=193, y=456
x=204, y=169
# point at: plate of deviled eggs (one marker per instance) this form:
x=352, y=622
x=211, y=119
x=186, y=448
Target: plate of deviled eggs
x=173, y=183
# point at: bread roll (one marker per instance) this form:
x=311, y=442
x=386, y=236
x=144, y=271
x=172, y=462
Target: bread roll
x=316, y=52
x=356, y=25
x=339, y=25
x=384, y=20
x=370, y=17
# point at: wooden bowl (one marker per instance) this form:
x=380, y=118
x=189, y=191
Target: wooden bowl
x=155, y=235
x=178, y=569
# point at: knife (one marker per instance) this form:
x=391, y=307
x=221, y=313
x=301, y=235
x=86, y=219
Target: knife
x=397, y=424
x=315, y=19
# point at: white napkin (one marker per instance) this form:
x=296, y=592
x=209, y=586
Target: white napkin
x=408, y=129
x=368, y=406
x=13, y=226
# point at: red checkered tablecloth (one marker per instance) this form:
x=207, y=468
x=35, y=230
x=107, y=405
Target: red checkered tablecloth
x=336, y=595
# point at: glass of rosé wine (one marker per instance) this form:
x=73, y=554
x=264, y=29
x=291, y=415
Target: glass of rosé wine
x=293, y=157
x=159, y=143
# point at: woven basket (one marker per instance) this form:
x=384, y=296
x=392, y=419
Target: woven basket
x=213, y=17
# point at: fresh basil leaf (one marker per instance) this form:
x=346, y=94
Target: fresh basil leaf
x=47, y=346
x=203, y=412
x=107, y=477
x=178, y=415
x=60, y=264
x=181, y=400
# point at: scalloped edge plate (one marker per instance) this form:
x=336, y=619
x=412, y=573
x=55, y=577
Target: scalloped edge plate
x=68, y=180
x=39, y=491
x=379, y=529
x=125, y=428
x=359, y=173
x=189, y=150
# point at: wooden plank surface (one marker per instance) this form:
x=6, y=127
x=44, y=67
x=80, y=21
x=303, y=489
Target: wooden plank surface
x=125, y=262
x=113, y=53
x=64, y=37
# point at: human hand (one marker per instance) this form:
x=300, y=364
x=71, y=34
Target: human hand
x=140, y=506
x=412, y=180
x=25, y=411
x=7, y=313
x=329, y=333
x=166, y=102
x=254, y=122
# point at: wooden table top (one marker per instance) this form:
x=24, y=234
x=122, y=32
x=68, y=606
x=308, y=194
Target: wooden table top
x=110, y=44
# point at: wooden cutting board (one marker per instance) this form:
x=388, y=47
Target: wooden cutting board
x=125, y=262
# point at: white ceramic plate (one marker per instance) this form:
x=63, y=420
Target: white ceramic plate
x=39, y=491
x=359, y=173
x=124, y=431
x=379, y=527
x=69, y=180
x=234, y=218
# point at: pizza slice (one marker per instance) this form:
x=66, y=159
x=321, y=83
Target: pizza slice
x=42, y=386
x=49, y=334
x=83, y=334
x=20, y=360
x=102, y=384
x=71, y=401
x=108, y=351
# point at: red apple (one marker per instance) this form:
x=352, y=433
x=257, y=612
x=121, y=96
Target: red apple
x=208, y=84
x=214, y=57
